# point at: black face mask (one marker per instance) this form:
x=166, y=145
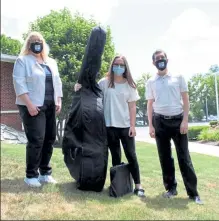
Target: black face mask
x=36, y=47
x=161, y=64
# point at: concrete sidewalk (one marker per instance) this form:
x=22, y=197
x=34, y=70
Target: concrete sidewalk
x=193, y=147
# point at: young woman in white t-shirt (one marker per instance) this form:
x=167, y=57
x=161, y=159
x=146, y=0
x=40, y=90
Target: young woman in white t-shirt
x=120, y=96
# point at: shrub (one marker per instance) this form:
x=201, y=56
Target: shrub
x=213, y=123
x=209, y=135
x=194, y=131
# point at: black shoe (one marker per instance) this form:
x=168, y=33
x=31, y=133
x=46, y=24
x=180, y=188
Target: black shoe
x=196, y=199
x=139, y=192
x=170, y=194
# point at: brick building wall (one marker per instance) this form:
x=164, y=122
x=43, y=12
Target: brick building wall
x=9, y=111
x=12, y=120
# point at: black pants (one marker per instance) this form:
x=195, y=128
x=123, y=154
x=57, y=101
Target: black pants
x=40, y=131
x=114, y=135
x=165, y=129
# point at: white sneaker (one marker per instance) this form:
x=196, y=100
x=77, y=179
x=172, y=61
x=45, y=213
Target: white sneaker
x=33, y=182
x=47, y=179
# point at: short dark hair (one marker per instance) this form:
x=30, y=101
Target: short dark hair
x=158, y=51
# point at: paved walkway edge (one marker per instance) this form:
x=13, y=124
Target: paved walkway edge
x=193, y=147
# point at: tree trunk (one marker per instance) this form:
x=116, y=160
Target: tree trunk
x=61, y=130
x=57, y=131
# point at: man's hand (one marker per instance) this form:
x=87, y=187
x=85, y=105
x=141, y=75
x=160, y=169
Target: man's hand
x=152, y=131
x=59, y=105
x=77, y=87
x=132, y=132
x=184, y=127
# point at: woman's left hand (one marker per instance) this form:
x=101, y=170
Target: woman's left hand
x=59, y=106
x=132, y=132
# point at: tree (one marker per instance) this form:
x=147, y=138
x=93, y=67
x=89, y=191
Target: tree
x=214, y=68
x=142, y=103
x=9, y=45
x=67, y=35
x=202, y=92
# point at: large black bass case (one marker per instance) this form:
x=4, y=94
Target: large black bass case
x=85, y=142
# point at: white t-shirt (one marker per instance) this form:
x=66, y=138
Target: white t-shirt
x=166, y=93
x=116, y=110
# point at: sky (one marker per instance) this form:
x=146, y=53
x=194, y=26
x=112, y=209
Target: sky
x=188, y=30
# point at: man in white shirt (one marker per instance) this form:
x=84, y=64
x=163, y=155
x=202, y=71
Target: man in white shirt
x=168, y=110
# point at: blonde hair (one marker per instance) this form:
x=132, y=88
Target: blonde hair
x=127, y=73
x=26, y=46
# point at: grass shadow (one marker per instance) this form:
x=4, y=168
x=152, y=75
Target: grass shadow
x=158, y=202
x=70, y=192
x=17, y=185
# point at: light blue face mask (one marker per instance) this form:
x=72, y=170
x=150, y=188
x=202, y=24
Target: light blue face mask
x=118, y=70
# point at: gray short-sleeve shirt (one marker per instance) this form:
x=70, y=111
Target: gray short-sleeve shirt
x=166, y=93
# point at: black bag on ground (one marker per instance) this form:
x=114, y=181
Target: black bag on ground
x=121, y=180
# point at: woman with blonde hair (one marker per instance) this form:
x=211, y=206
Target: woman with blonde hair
x=38, y=89
x=120, y=96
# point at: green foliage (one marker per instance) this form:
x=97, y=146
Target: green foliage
x=190, y=117
x=142, y=103
x=209, y=135
x=9, y=45
x=194, y=131
x=202, y=91
x=197, y=110
x=214, y=123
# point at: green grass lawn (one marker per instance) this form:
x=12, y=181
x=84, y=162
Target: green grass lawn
x=63, y=201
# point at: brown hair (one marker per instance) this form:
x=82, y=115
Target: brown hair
x=158, y=51
x=127, y=73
